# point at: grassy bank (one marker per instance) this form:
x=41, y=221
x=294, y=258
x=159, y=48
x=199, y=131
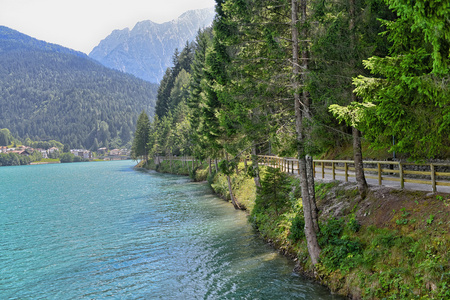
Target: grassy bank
x=391, y=245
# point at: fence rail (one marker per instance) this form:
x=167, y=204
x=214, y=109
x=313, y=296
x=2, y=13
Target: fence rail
x=434, y=174
x=379, y=170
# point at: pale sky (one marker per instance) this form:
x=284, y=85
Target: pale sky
x=82, y=24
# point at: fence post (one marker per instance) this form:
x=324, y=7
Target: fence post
x=433, y=178
x=346, y=172
x=323, y=170
x=292, y=163
x=379, y=173
x=333, y=170
x=400, y=171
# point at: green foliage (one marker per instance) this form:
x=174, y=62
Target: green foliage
x=44, y=144
x=141, y=137
x=410, y=101
x=339, y=251
x=13, y=159
x=297, y=231
x=5, y=137
x=353, y=224
x=331, y=231
x=227, y=167
x=274, y=191
x=345, y=34
x=430, y=219
x=67, y=157
x=170, y=91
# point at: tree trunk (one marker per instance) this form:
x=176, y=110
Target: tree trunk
x=233, y=200
x=255, y=167
x=312, y=193
x=216, y=165
x=230, y=190
x=359, y=166
x=310, y=231
x=357, y=152
x=306, y=185
x=210, y=166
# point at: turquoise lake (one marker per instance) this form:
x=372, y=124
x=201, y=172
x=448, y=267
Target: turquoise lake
x=106, y=231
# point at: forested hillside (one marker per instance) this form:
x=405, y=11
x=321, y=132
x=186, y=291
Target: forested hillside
x=50, y=92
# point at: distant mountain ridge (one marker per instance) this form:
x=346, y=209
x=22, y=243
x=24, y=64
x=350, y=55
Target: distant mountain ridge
x=146, y=50
x=13, y=40
x=51, y=92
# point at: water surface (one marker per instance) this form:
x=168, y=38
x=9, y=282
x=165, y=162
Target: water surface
x=105, y=231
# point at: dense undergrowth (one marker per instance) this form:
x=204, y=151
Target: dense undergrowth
x=391, y=245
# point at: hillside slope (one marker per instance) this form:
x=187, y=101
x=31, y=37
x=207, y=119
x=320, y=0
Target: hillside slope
x=51, y=92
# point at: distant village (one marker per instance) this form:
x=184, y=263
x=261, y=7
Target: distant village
x=101, y=153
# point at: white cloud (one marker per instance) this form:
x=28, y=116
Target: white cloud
x=81, y=24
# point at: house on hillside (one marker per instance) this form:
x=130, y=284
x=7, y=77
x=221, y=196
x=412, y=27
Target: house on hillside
x=86, y=154
x=114, y=152
x=43, y=153
x=3, y=149
x=25, y=152
x=52, y=149
x=102, y=150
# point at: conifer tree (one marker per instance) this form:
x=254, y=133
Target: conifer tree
x=141, y=138
x=407, y=98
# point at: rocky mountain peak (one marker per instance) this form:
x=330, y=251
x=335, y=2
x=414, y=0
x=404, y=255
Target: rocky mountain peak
x=146, y=50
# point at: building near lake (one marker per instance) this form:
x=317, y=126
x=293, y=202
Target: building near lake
x=86, y=154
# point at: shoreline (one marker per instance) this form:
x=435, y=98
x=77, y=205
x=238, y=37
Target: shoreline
x=287, y=252
x=44, y=162
x=369, y=246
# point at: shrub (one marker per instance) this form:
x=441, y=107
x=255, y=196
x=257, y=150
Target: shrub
x=297, y=231
x=274, y=191
x=66, y=157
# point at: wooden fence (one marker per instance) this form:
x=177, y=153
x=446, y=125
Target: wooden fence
x=434, y=174
x=380, y=170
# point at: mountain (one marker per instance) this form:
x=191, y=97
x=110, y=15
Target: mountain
x=146, y=51
x=12, y=40
x=51, y=92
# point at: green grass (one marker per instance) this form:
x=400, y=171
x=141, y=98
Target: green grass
x=49, y=160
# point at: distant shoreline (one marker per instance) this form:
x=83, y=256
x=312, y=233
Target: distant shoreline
x=44, y=162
